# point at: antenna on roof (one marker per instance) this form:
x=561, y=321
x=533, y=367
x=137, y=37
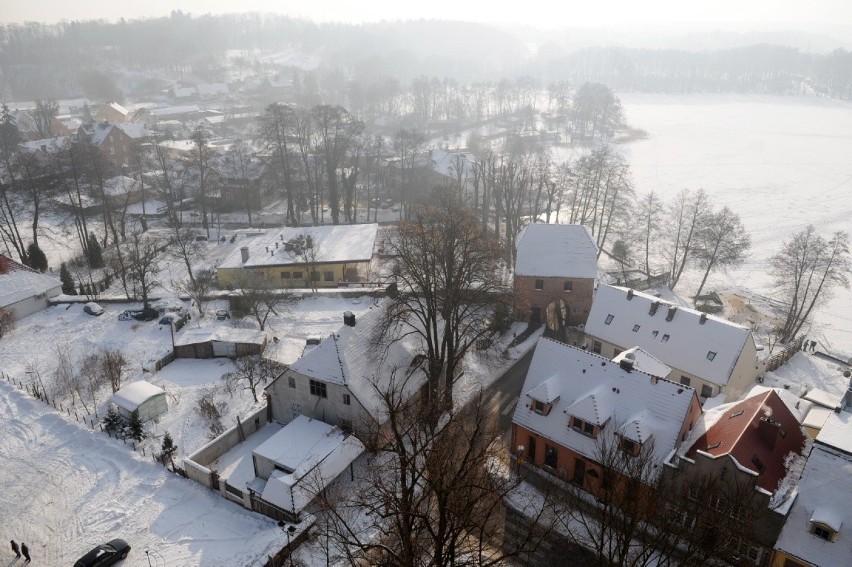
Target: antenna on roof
x=702, y=319
x=629, y=294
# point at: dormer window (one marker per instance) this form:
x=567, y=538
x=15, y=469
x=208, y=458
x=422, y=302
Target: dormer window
x=635, y=328
x=584, y=427
x=825, y=523
x=711, y=355
x=665, y=339
x=541, y=408
x=822, y=531
x=630, y=447
x=609, y=319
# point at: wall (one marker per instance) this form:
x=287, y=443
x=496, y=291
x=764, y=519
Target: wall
x=33, y=304
x=578, y=300
x=153, y=407
x=342, y=271
x=229, y=439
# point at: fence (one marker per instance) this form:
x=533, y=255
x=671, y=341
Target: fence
x=92, y=420
x=777, y=360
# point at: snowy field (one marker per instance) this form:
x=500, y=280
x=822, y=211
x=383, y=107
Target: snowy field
x=780, y=162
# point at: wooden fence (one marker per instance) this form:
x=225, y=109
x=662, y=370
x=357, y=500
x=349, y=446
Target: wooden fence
x=777, y=360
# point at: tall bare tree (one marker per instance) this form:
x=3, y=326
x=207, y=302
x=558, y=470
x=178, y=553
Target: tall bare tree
x=202, y=155
x=258, y=298
x=44, y=114
x=723, y=243
x=251, y=373
x=688, y=214
x=277, y=126
x=805, y=271
x=143, y=253
x=336, y=129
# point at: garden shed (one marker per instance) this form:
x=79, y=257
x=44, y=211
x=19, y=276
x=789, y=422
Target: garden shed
x=219, y=341
x=146, y=398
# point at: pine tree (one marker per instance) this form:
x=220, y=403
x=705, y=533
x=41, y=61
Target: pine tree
x=67, y=281
x=112, y=421
x=96, y=253
x=136, y=429
x=38, y=261
x=169, y=448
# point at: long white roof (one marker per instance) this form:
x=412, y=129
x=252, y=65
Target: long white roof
x=556, y=250
x=684, y=342
x=824, y=495
x=332, y=243
x=18, y=282
x=350, y=357
x=597, y=390
x=220, y=333
x=133, y=395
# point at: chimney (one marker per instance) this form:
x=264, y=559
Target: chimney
x=671, y=314
x=244, y=253
x=654, y=307
x=629, y=294
x=626, y=364
x=348, y=318
x=276, y=245
x=702, y=319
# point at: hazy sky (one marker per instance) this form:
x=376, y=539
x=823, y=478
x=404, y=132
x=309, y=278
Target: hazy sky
x=812, y=15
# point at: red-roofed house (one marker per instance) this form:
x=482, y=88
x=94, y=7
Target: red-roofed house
x=24, y=291
x=745, y=444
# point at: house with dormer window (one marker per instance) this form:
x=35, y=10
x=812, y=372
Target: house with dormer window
x=818, y=531
x=572, y=399
x=705, y=352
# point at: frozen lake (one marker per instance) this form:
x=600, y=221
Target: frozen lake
x=780, y=162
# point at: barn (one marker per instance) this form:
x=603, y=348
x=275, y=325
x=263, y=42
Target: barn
x=149, y=400
x=219, y=342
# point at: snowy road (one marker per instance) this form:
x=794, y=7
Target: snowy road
x=67, y=489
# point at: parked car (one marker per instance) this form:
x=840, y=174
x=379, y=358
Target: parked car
x=93, y=308
x=148, y=314
x=176, y=319
x=223, y=314
x=105, y=554
x=310, y=344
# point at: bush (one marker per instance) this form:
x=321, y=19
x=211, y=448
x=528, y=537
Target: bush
x=135, y=428
x=7, y=322
x=95, y=254
x=212, y=411
x=37, y=259
x=67, y=281
x=112, y=421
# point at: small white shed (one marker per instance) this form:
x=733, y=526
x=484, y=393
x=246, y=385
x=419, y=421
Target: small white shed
x=149, y=400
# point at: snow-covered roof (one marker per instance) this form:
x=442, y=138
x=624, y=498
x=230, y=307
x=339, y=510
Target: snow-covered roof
x=121, y=185
x=332, y=243
x=598, y=390
x=823, y=398
x=133, y=129
x=702, y=345
x=351, y=357
x=118, y=108
x=305, y=447
x=644, y=361
x=837, y=432
x=446, y=162
x=183, y=92
x=18, y=282
x=173, y=110
x=824, y=495
x=211, y=89
x=222, y=334
x=556, y=250
x=816, y=417
x=133, y=395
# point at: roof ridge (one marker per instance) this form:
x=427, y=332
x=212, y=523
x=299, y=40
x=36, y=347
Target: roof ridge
x=749, y=422
x=339, y=360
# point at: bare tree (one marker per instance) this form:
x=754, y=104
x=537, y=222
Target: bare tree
x=448, y=285
x=143, y=251
x=251, y=373
x=650, y=216
x=113, y=367
x=805, y=271
x=336, y=129
x=689, y=213
x=256, y=297
x=276, y=128
x=409, y=146
x=200, y=160
x=44, y=114
x=723, y=243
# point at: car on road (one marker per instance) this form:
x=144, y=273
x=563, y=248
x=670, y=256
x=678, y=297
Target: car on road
x=223, y=314
x=176, y=319
x=105, y=554
x=93, y=308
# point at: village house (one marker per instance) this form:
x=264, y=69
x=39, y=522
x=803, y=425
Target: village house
x=818, y=530
x=243, y=186
x=24, y=291
x=706, y=352
x=148, y=400
x=290, y=257
x=555, y=274
x=117, y=142
x=742, y=451
x=342, y=379
x=112, y=112
x=572, y=399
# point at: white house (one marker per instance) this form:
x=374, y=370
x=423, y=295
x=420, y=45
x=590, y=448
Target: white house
x=298, y=461
x=818, y=530
x=705, y=352
x=340, y=381
x=24, y=291
x=146, y=398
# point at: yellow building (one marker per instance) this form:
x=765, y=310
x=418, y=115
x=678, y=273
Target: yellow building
x=294, y=257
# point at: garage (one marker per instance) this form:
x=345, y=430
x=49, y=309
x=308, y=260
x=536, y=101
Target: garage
x=219, y=342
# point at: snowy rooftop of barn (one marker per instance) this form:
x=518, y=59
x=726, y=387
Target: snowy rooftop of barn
x=556, y=250
x=18, y=282
x=133, y=395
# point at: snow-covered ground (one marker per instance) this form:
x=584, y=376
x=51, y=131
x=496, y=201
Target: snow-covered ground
x=780, y=162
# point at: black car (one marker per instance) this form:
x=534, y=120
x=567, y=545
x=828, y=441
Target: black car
x=105, y=554
x=148, y=314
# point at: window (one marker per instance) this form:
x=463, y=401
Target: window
x=328, y=276
x=538, y=407
x=315, y=276
x=636, y=328
x=346, y=425
x=596, y=347
x=694, y=493
x=665, y=339
x=539, y=284
x=755, y=460
x=822, y=532
x=717, y=503
x=347, y=400
x=550, y=456
x=630, y=447
x=655, y=333
x=297, y=275
x=291, y=381
x=706, y=391
x=568, y=286
x=711, y=355
x=684, y=380
x=738, y=512
x=583, y=427
x=531, y=450
x=318, y=389
x=285, y=275
x=609, y=319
